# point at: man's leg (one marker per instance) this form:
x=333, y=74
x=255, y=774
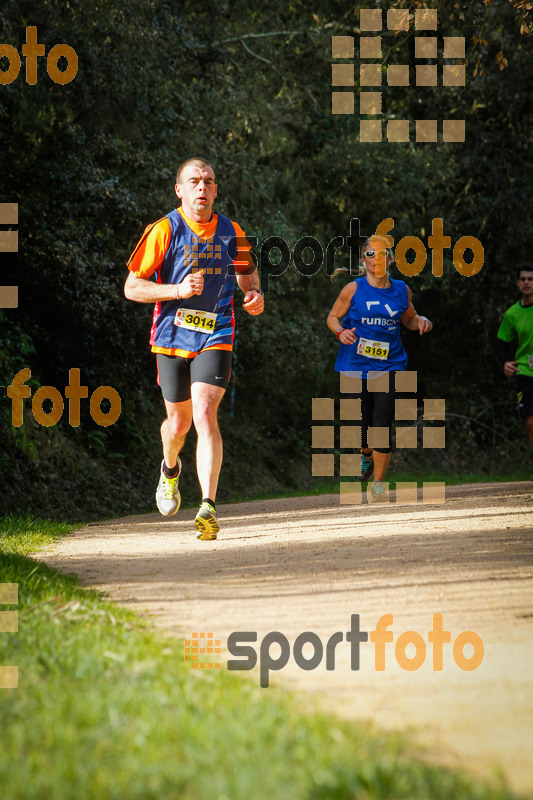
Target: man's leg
x=205, y=402
x=175, y=381
x=524, y=385
x=210, y=374
x=174, y=430
x=529, y=429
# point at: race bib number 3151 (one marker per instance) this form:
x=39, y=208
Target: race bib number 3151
x=371, y=349
x=199, y=321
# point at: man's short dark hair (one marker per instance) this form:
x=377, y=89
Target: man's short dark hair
x=202, y=162
x=524, y=268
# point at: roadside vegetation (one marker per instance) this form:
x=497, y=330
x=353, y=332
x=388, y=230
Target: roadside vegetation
x=248, y=86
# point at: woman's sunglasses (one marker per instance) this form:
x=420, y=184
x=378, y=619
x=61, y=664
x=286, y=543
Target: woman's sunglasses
x=372, y=253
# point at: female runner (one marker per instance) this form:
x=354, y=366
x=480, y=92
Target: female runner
x=366, y=317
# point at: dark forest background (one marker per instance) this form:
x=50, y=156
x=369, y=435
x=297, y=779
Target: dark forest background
x=248, y=86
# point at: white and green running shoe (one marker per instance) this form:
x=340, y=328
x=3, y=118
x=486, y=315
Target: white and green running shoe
x=207, y=522
x=377, y=493
x=168, y=496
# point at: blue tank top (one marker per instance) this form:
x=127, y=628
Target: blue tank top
x=376, y=316
x=186, y=252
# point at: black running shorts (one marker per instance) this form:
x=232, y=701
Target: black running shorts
x=525, y=395
x=378, y=408
x=175, y=373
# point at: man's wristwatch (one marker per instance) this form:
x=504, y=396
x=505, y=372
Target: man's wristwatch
x=338, y=333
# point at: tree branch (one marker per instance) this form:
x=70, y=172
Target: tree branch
x=493, y=430
x=253, y=36
x=255, y=54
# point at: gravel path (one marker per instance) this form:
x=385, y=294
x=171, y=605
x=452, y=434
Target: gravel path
x=308, y=564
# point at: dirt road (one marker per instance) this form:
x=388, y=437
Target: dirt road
x=308, y=564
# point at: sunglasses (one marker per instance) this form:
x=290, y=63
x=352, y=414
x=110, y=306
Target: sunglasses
x=372, y=253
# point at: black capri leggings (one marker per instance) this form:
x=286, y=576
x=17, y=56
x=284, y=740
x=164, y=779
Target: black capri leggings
x=377, y=409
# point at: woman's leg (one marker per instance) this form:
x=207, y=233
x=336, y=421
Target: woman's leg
x=367, y=410
x=381, y=462
x=382, y=417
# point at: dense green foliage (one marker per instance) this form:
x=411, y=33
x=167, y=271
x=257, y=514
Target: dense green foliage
x=246, y=85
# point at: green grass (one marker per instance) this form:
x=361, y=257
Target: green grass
x=107, y=710
x=25, y=534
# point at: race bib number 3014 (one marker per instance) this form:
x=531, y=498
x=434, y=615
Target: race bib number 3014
x=371, y=349
x=199, y=321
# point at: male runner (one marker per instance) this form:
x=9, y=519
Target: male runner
x=517, y=324
x=195, y=256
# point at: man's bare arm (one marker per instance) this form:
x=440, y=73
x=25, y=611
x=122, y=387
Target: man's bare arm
x=254, y=301
x=249, y=282
x=143, y=290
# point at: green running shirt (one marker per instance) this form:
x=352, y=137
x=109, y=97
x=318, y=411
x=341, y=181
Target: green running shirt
x=517, y=323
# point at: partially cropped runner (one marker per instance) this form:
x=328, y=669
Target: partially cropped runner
x=366, y=319
x=195, y=255
x=515, y=345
